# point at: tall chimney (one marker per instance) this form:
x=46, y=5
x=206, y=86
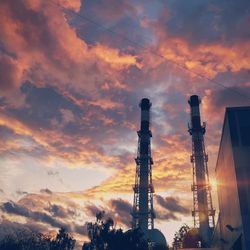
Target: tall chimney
x=143, y=213
x=203, y=211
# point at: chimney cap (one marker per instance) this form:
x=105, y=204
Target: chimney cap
x=145, y=104
x=194, y=100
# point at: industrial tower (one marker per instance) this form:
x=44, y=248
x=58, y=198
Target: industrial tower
x=203, y=211
x=143, y=212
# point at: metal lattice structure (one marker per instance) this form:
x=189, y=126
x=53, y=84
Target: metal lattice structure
x=143, y=211
x=203, y=211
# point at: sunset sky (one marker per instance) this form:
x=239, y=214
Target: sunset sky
x=71, y=76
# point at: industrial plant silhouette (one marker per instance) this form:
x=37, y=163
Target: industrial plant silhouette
x=232, y=229
x=143, y=209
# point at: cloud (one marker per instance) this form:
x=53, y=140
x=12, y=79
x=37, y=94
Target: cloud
x=20, y=192
x=46, y=191
x=224, y=22
x=73, y=211
x=206, y=53
x=16, y=209
x=92, y=209
x=111, y=10
x=60, y=211
x=53, y=173
x=171, y=204
x=10, y=74
x=114, y=57
x=122, y=210
x=68, y=115
x=215, y=102
x=14, y=228
x=13, y=208
x=117, y=209
x=70, y=94
x=165, y=216
x=39, y=55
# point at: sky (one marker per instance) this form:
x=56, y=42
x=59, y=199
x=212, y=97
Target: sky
x=72, y=74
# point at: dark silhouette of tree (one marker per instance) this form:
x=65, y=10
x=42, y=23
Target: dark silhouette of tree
x=192, y=239
x=23, y=240
x=63, y=241
x=103, y=236
x=186, y=238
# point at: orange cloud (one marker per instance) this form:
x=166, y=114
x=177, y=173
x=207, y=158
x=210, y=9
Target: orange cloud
x=114, y=57
x=207, y=60
x=46, y=48
x=83, y=155
x=171, y=171
x=106, y=104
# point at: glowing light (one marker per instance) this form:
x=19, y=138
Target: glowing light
x=213, y=183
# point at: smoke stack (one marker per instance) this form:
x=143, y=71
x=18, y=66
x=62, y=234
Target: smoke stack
x=143, y=214
x=203, y=211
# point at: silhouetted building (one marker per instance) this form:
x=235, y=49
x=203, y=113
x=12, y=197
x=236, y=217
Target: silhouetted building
x=233, y=181
x=203, y=211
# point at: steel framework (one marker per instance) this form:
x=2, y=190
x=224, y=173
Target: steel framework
x=203, y=211
x=143, y=211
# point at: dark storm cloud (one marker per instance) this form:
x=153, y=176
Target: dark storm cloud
x=171, y=204
x=208, y=21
